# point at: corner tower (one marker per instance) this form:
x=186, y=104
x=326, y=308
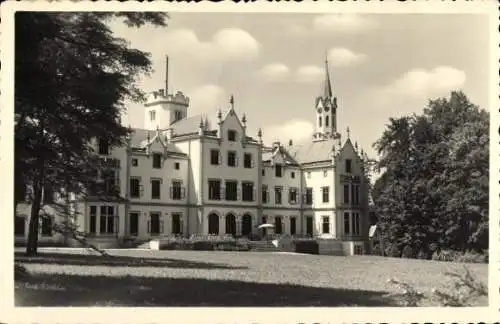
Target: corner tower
x=326, y=110
x=162, y=108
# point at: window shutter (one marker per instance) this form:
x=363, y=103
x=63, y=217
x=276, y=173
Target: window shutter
x=161, y=226
x=171, y=194
x=116, y=225
x=183, y=193
x=236, y=161
x=222, y=192
x=238, y=193
x=141, y=190
x=149, y=226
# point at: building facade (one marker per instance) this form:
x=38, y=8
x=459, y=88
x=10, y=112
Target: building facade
x=182, y=175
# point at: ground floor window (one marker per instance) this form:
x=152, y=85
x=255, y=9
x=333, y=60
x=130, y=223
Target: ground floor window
x=309, y=226
x=19, y=225
x=277, y=225
x=356, y=224
x=93, y=219
x=347, y=224
x=213, y=224
x=293, y=226
x=108, y=222
x=155, y=224
x=326, y=225
x=176, y=224
x=47, y=226
x=246, y=225
x=230, y=224
x=134, y=223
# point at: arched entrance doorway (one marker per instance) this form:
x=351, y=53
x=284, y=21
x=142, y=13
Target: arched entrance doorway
x=246, y=225
x=231, y=224
x=213, y=224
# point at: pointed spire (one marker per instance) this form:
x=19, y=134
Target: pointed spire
x=219, y=114
x=231, y=101
x=201, y=122
x=244, y=119
x=327, y=85
x=348, y=132
x=206, y=122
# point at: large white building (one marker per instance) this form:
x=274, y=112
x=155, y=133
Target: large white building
x=186, y=175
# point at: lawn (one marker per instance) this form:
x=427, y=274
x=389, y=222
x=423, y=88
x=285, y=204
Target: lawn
x=192, y=278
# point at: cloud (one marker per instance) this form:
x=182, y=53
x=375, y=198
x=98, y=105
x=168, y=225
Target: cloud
x=413, y=88
x=340, y=56
x=298, y=130
x=273, y=72
x=417, y=82
x=342, y=23
x=206, y=99
x=226, y=44
x=309, y=73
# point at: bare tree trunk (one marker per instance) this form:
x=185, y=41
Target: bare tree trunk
x=31, y=247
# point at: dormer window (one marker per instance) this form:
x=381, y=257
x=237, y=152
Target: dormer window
x=348, y=166
x=231, y=135
x=152, y=115
x=278, y=169
x=157, y=160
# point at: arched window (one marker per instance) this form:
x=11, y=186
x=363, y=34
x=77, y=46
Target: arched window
x=319, y=121
x=327, y=119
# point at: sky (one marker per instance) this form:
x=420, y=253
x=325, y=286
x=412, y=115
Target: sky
x=381, y=66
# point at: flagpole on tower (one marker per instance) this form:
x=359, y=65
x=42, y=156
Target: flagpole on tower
x=166, y=75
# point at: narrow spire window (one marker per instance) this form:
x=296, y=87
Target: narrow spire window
x=327, y=121
x=319, y=121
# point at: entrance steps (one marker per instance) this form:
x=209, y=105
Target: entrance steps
x=263, y=246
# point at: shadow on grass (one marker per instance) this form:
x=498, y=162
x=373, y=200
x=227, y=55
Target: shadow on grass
x=85, y=291
x=117, y=261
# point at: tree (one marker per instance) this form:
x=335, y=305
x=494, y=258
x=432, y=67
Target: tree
x=434, y=188
x=72, y=77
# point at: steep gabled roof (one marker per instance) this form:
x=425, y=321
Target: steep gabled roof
x=312, y=151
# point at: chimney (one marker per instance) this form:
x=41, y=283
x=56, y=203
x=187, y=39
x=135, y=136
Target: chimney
x=290, y=143
x=276, y=144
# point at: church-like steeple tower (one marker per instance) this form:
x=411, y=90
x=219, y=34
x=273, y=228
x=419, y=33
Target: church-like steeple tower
x=326, y=110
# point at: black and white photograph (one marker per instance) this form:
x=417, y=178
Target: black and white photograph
x=164, y=158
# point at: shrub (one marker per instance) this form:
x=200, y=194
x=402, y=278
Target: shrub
x=472, y=257
x=435, y=256
x=464, y=290
x=409, y=297
x=393, y=251
x=407, y=252
x=422, y=255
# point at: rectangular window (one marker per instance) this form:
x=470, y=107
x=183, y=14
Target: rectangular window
x=247, y=162
x=278, y=228
x=111, y=181
x=178, y=115
x=177, y=192
x=325, y=173
x=293, y=225
x=176, y=224
x=347, y=224
x=157, y=160
x=214, y=157
x=358, y=249
x=346, y=194
x=265, y=195
x=231, y=135
x=155, y=223
x=292, y=196
x=348, y=166
x=326, y=225
x=155, y=188
x=277, y=195
x=19, y=225
x=214, y=189
x=103, y=147
x=46, y=226
x=135, y=187
x=292, y=175
x=231, y=190
x=231, y=158
x=263, y=172
x=247, y=191
x=93, y=219
x=326, y=194
x=355, y=197
x=355, y=224
x=134, y=223
x=177, y=165
x=152, y=115
x=135, y=162
x=309, y=196
x=107, y=220
x=278, y=171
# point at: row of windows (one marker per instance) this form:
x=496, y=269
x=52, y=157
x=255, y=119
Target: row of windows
x=20, y=226
x=327, y=119
x=157, y=162
x=231, y=191
x=177, y=115
x=232, y=159
x=307, y=197
x=352, y=223
x=351, y=194
x=177, y=191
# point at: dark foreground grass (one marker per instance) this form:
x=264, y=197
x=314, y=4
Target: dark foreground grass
x=192, y=278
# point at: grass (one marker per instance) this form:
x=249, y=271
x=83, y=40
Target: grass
x=192, y=278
